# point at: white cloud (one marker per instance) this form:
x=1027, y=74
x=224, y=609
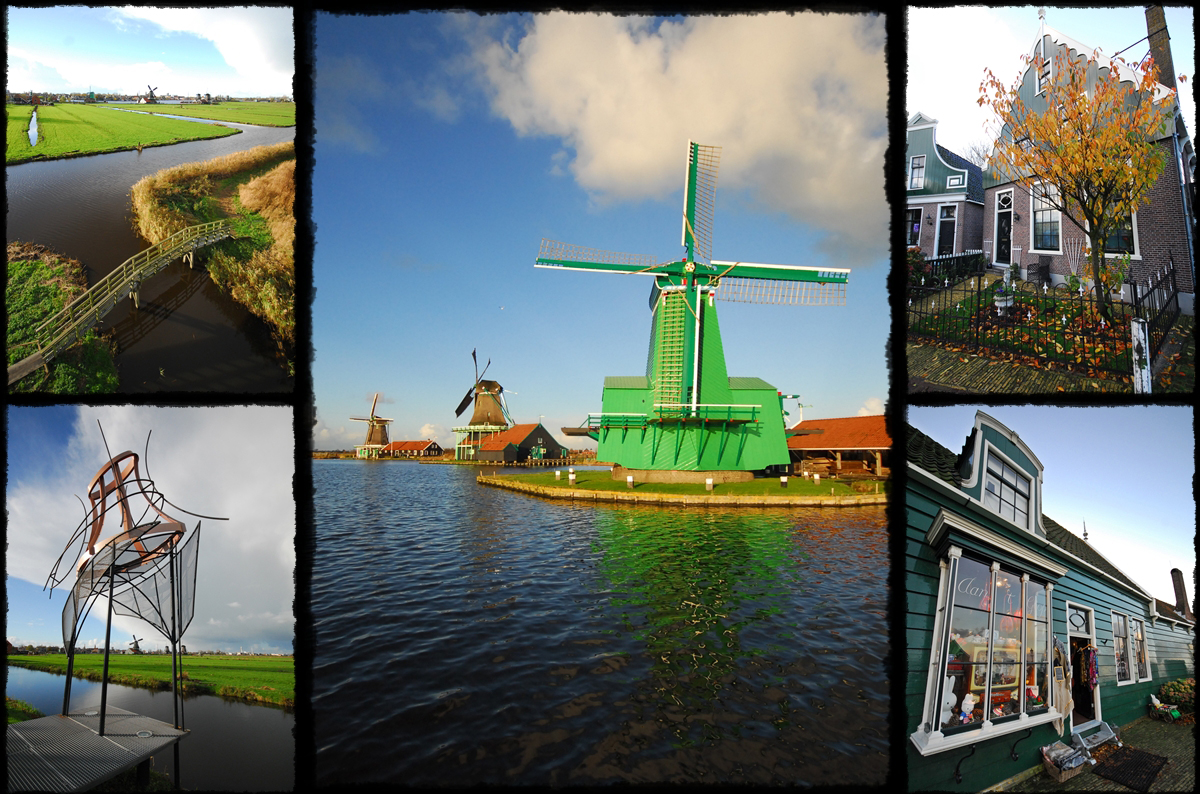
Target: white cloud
x=257, y=42
x=797, y=102
x=872, y=407
x=234, y=462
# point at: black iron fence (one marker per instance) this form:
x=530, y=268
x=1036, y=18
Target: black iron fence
x=977, y=312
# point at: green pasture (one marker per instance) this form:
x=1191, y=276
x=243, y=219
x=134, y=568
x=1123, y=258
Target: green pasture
x=266, y=114
x=601, y=480
x=70, y=130
x=263, y=679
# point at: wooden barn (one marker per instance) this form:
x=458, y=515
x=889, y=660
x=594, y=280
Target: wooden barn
x=519, y=444
x=854, y=445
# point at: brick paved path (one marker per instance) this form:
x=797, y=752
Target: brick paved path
x=1176, y=742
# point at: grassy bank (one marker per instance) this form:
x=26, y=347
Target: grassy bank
x=40, y=283
x=19, y=710
x=70, y=130
x=601, y=480
x=256, y=188
x=265, y=114
x=256, y=679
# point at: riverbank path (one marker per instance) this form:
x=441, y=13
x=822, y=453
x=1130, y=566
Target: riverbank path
x=77, y=318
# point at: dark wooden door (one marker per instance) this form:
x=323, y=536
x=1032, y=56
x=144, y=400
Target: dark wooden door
x=1004, y=237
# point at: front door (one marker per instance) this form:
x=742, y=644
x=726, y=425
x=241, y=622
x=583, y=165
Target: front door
x=1004, y=228
x=1083, y=657
x=945, y=245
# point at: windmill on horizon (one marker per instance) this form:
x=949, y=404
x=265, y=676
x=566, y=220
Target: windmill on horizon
x=377, y=433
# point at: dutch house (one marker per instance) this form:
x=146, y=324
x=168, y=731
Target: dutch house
x=851, y=446
x=1008, y=617
x=944, y=194
x=519, y=444
x=1020, y=226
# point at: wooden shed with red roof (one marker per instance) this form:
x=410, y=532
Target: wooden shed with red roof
x=412, y=449
x=845, y=446
x=520, y=443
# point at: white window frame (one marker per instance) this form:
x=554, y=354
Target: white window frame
x=1033, y=249
x=911, y=164
x=1130, y=649
x=1039, y=86
x=928, y=738
x=1034, y=508
x=1137, y=250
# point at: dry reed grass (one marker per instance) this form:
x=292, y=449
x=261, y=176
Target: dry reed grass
x=156, y=221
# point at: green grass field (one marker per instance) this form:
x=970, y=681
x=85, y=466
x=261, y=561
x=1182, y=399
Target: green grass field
x=601, y=480
x=39, y=284
x=70, y=130
x=261, y=679
x=266, y=114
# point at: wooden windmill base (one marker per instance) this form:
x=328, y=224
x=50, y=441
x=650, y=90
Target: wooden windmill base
x=654, y=475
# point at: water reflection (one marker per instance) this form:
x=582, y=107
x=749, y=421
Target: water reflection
x=33, y=130
x=469, y=635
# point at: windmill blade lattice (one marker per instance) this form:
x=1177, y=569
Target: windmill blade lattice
x=555, y=254
x=699, y=200
x=789, y=293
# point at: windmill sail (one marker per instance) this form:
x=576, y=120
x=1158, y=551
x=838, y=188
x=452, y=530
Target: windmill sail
x=699, y=200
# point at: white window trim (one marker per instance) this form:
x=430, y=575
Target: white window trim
x=1032, y=235
x=1035, y=487
x=956, y=180
x=920, y=222
x=1133, y=672
x=937, y=232
x=924, y=167
x=934, y=741
x=1137, y=249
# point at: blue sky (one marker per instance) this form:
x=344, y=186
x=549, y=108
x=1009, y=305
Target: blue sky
x=1127, y=471
x=947, y=88
x=449, y=145
x=245, y=586
x=238, y=52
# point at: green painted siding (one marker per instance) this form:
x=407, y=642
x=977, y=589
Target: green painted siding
x=936, y=172
x=1167, y=646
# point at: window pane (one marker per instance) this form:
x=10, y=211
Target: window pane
x=1121, y=648
x=1139, y=649
x=974, y=587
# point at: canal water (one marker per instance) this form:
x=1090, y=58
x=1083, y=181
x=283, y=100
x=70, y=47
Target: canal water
x=232, y=746
x=187, y=335
x=467, y=634
x=33, y=132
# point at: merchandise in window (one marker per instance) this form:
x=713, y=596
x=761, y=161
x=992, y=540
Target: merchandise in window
x=1121, y=647
x=1139, y=647
x=997, y=653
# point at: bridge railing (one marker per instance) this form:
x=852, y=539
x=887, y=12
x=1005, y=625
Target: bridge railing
x=85, y=311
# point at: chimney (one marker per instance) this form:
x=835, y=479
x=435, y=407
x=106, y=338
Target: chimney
x=1181, y=600
x=1160, y=45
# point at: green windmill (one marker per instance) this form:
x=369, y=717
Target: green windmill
x=686, y=413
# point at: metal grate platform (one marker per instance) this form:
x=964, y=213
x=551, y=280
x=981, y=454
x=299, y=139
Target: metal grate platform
x=60, y=753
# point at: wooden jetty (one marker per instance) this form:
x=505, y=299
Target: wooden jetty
x=67, y=752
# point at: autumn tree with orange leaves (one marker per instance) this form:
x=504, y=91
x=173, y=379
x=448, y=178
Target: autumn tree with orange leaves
x=1093, y=143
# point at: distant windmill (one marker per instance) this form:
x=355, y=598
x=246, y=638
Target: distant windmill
x=377, y=434
x=136, y=639
x=150, y=100
x=490, y=408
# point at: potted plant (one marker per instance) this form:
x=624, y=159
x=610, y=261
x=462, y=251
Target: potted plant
x=1003, y=298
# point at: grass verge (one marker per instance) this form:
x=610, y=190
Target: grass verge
x=40, y=283
x=19, y=710
x=601, y=480
x=70, y=130
x=255, y=679
x=256, y=188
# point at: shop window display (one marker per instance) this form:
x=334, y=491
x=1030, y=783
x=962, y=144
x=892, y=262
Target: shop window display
x=997, y=654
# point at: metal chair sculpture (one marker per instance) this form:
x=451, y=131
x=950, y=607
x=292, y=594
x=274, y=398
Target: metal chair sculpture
x=147, y=569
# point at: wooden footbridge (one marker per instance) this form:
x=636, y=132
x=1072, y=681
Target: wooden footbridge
x=76, y=319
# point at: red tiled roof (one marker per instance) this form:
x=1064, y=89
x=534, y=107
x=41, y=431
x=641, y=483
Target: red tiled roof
x=407, y=446
x=852, y=432
x=494, y=445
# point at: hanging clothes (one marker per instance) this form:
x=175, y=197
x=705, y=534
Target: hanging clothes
x=1090, y=668
x=1062, y=686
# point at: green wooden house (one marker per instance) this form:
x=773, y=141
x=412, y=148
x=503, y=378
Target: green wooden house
x=943, y=192
x=1008, y=614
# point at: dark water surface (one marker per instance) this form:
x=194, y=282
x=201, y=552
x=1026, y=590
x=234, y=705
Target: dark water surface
x=232, y=746
x=187, y=336
x=467, y=634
